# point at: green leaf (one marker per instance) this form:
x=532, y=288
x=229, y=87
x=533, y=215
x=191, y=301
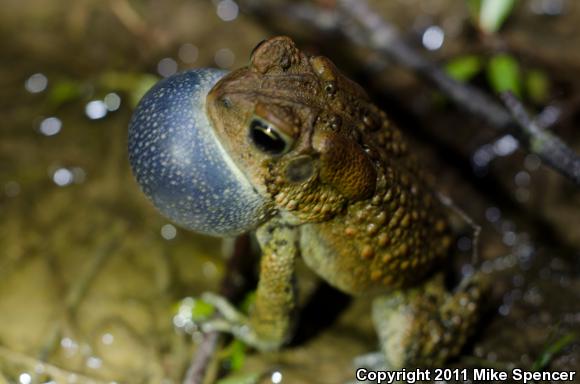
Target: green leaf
x=537, y=86
x=246, y=378
x=143, y=85
x=248, y=301
x=135, y=84
x=474, y=7
x=503, y=72
x=552, y=350
x=200, y=310
x=464, y=68
x=237, y=355
x=63, y=92
x=493, y=13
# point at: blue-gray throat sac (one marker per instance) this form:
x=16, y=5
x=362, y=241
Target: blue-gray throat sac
x=181, y=166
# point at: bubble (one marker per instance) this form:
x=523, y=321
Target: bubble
x=504, y=310
x=276, y=377
x=227, y=10
x=36, y=83
x=50, y=126
x=483, y=156
x=548, y=7
x=62, y=177
x=224, y=58
x=522, y=179
x=492, y=214
x=96, y=109
x=433, y=38
x=532, y=162
x=112, y=101
x=506, y=145
x=510, y=238
x=166, y=67
x=107, y=339
x=188, y=53
x=79, y=175
x=94, y=362
x=24, y=378
x=168, y=232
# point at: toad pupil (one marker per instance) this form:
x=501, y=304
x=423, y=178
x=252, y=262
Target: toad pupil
x=266, y=139
x=350, y=199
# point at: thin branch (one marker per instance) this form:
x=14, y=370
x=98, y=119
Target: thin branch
x=542, y=142
x=355, y=20
x=230, y=289
x=204, y=353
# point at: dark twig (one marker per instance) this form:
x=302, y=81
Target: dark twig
x=543, y=142
x=363, y=27
x=231, y=290
x=204, y=353
x=384, y=38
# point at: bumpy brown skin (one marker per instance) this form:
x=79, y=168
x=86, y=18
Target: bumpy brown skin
x=348, y=195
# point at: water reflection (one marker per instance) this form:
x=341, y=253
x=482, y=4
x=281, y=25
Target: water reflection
x=227, y=10
x=112, y=101
x=188, y=53
x=62, y=177
x=168, y=232
x=166, y=67
x=50, y=126
x=96, y=109
x=36, y=83
x=24, y=378
x=433, y=38
x=224, y=58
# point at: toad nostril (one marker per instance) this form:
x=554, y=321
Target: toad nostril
x=300, y=169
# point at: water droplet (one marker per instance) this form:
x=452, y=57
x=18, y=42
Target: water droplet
x=276, y=377
x=24, y=378
x=96, y=109
x=492, y=214
x=112, y=101
x=94, y=362
x=168, y=232
x=224, y=58
x=50, y=126
x=62, y=177
x=506, y=145
x=522, y=179
x=548, y=7
x=107, y=339
x=227, y=10
x=36, y=83
x=532, y=162
x=188, y=53
x=166, y=67
x=433, y=38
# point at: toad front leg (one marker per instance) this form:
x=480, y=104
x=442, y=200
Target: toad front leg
x=271, y=317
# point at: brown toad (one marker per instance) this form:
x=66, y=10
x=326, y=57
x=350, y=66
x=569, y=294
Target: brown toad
x=330, y=180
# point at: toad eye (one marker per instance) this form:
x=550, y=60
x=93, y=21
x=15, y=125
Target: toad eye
x=268, y=139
